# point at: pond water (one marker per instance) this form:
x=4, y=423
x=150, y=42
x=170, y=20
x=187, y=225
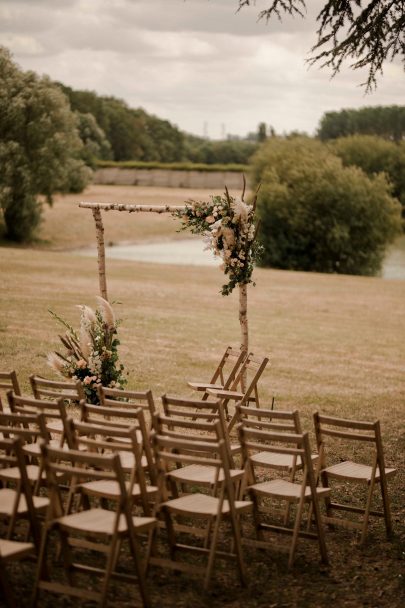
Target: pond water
x=191, y=252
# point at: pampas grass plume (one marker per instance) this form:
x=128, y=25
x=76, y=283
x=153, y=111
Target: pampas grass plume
x=85, y=342
x=88, y=314
x=55, y=362
x=106, y=311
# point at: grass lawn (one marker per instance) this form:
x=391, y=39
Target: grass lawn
x=336, y=343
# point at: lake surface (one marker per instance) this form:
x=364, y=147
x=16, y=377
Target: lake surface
x=190, y=252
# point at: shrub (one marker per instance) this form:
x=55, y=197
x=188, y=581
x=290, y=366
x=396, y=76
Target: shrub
x=317, y=215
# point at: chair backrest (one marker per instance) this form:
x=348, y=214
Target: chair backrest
x=123, y=399
x=11, y=455
x=103, y=439
x=29, y=427
x=276, y=421
x=172, y=453
x=8, y=381
x=70, y=390
x=362, y=432
x=186, y=413
x=228, y=366
x=122, y=418
x=79, y=467
x=51, y=410
x=192, y=409
x=295, y=445
x=250, y=370
x=272, y=420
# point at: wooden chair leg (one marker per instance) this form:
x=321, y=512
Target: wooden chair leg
x=296, y=530
x=140, y=571
x=367, y=511
x=237, y=548
x=314, y=506
x=42, y=567
x=211, y=555
x=386, y=505
x=111, y=561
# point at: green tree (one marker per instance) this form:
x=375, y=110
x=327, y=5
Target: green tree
x=368, y=32
x=95, y=144
x=385, y=121
x=133, y=134
x=317, y=215
x=375, y=155
x=39, y=147
x=261, y=132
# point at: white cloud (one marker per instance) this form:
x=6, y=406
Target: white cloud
x=193, y=62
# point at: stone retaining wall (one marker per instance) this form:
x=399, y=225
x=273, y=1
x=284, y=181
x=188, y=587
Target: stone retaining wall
x=168, y=179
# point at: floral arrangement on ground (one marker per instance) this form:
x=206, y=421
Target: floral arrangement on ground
x=229, y=229
x=91, y=354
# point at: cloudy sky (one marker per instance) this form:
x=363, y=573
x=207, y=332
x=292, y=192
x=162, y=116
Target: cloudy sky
x=197, y=63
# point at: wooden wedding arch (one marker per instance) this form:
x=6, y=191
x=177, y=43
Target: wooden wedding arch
x=97, y=208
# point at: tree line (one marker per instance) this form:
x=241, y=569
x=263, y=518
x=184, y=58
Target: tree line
x=345, y=186
x=112, y=130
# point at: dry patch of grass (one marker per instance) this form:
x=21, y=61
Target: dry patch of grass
x=336, y=343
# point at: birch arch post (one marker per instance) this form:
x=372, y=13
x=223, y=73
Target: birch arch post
x=228, y=222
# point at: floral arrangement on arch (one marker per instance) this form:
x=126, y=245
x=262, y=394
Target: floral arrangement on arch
x=91, y=354
x=229, y=229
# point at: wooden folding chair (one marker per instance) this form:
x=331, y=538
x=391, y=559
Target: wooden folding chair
x=8, y=382
x=11, y=550
x=94, y=528
x=44, y=388
x=205, y=431
x=124, y=418
x=198, y=506
x=369, y=473
x=123, y=399
x=276, y=421
x=54, y=415
x=110, y=440
x=30, y=429
x=281, y=488
x=71, y=391
x=203, y=411
x=251, y=369
x=222, y=377
x=18, y=502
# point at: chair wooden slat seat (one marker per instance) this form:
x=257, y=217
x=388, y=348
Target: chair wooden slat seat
x=13, y=473
x=356, y=470
x=11, y=549
x=205, y=475
x=101, y=521
x=7, y=502
x=204, y=505
x=110, y=489
x=282, y=461
x=285, y=489
x=200, y=386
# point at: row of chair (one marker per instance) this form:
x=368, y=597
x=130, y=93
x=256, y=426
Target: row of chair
x=162, y=459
